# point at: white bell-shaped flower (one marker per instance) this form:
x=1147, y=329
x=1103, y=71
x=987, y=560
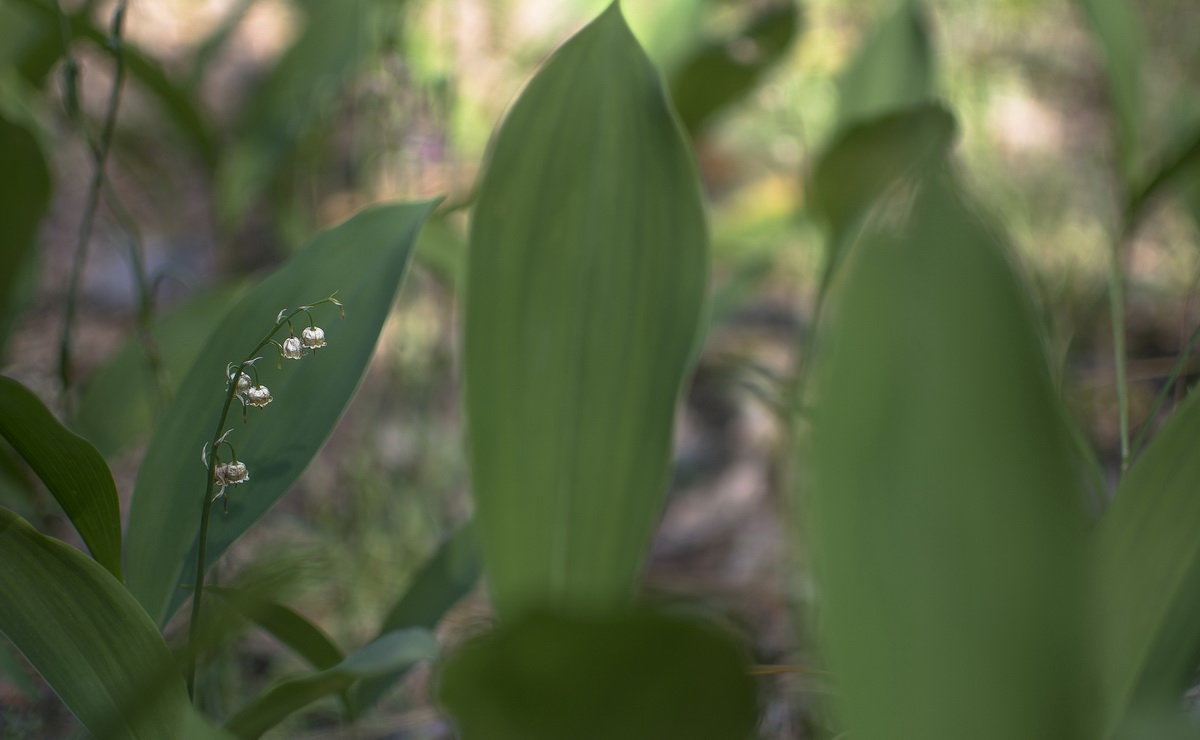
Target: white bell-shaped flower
x=231, y=474
x=313, y=337
x=243, y=383
x=291, y=349
x=258, y=396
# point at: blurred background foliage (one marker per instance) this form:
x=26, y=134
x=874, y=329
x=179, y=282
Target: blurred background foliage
x=249, y=125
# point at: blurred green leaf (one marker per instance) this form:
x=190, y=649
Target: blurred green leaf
x=442, y=582
x=364, y=260
x=1148, y=576
x=392, y=652
x=24, y=196
x=722, y=71
x=1181, y=167
x=892, y=69
x=177, y=103
x=297, y=93
x=73, y=471
x=641, y=675
x=1118, y=30
x=87, y=636
x=586, y=275
x=866, y=159
x=945, y=507
x=120, y=401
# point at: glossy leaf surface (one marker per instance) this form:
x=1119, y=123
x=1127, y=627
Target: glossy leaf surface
x=586, y=275
x=89, y=639
x=364, y=260
x=73, y=471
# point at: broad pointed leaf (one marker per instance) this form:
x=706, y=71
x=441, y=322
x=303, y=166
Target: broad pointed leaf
x=586, y=275
x=1148, y=575
x=945, y=509
x=89, y=639
x=73, y=471
x=364, y=260
x=892, y=69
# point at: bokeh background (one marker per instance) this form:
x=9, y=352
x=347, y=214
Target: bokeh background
x=310, y=110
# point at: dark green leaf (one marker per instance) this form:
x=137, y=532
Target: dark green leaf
x=24, y=195
x=73, y=471
x=440, y=584
x=1119, y=32
x=586, y=275
x=721, y=72
x=364, y=260
x=392, y=652
x=89, y=639
x=1149, y=575
x=121, y=402
x=892, y=69
x=286, y=625
x=1179, y=167
x=642, y=675
x=945, y=507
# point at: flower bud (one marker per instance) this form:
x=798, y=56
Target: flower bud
x=258, y=396
x=291, y=349
x=314, y=337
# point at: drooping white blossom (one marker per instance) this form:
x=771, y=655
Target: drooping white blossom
x=291, y=349
x=313, y=337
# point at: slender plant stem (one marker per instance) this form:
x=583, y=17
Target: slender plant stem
x=99, y=160
x=1116, y=306
x=206, y=506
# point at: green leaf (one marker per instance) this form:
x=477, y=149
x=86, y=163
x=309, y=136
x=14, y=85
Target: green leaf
x=286, y=625
x=1118, y=30
x=944, y=510
x=722, y=71
x=392, y=652
x=298, y=92
x=1179, y=168
x=87, y=636
x=868, y=158
x=24, y=195
x=1148, y=575
x=120, y=401
x=73, y=471
x=585, y=280
x=364, y=260
x=641, y=675
x=442, y=582
x=892, y=69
